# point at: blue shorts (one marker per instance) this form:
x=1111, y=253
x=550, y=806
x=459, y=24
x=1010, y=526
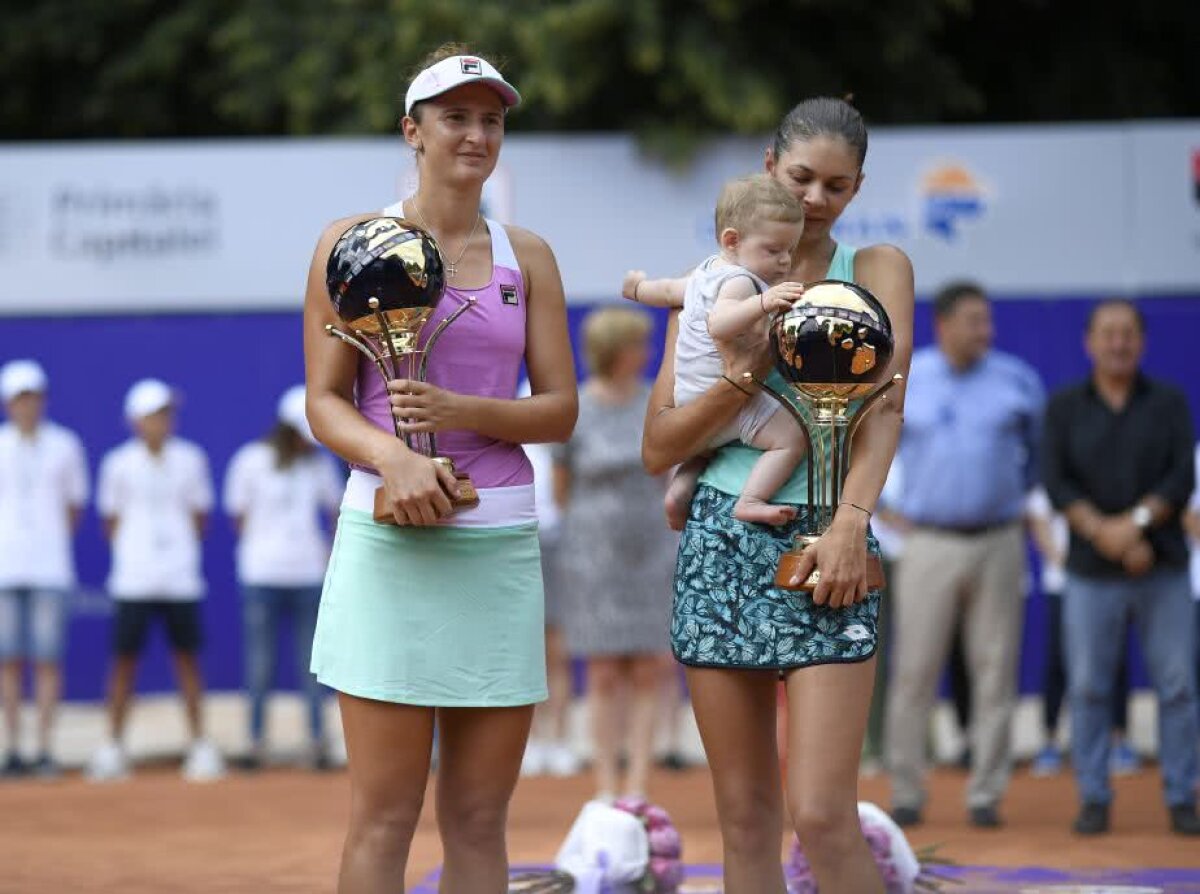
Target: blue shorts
x=32, y=623
x=133, y=618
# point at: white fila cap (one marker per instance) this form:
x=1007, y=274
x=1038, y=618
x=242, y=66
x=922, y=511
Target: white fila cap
x=454, y=72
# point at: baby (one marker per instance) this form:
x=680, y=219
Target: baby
x=758, y=224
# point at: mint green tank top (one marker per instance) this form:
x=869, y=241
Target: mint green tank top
x=730, y=468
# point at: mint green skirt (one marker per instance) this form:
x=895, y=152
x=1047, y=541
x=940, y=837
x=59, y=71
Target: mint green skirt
x=446, y=617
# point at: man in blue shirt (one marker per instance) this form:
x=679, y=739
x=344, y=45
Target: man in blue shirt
x=972, y=421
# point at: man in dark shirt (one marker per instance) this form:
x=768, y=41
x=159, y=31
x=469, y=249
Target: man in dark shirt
x=1117, y=460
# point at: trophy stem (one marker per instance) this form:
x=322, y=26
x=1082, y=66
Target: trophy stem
x=818, y=459
x=361, y=344
x=423, y=366
x=437, y=333
x=835, y=479
x=397, y=358
x=868, y=404
x=808, y=439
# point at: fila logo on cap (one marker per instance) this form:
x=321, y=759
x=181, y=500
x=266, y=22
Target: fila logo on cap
x=471, y=66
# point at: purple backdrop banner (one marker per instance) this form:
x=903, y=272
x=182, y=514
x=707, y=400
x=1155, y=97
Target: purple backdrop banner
x=232, y=368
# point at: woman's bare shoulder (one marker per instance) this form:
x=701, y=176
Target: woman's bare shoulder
x=527, y=244
x=882, y=258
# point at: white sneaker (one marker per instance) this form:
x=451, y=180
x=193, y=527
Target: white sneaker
x=108, y=764
x=203, y=762
x=560, y=760
x=534, y=761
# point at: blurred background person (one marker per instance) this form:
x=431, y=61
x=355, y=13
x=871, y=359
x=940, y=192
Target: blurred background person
x=1051, y=536
x=43, y=488
x=958, y=686
x=889, y=527
x=971, y=426
x=1191, y=524
x=154, y=493
x=278, y=491
x=617, y=551
x=674, y=709
x=549, y=748
x=1119, y=463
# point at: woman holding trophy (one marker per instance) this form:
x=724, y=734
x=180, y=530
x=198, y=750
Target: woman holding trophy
x=433, y=598
x=735, y=628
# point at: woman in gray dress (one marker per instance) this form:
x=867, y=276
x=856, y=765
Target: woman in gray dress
x=617, y=553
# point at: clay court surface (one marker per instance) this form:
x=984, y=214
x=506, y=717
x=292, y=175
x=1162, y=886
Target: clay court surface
x=281, y=831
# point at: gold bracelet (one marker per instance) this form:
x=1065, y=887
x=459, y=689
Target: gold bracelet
x=737, y=386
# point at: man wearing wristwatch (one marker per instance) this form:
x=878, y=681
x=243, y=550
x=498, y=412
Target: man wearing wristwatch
x=1117, y=461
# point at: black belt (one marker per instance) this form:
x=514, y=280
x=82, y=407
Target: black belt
x=967, y=530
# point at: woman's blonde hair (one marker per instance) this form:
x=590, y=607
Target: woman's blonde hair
x=609, y=331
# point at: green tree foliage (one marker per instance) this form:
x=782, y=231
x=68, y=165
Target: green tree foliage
x=669, y=69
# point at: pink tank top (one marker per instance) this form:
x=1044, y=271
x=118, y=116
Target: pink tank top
x=480, y=353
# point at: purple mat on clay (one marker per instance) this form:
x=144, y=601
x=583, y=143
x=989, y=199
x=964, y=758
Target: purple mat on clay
x=706, y=879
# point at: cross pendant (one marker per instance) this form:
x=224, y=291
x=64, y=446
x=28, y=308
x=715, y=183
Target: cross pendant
x=451, y=271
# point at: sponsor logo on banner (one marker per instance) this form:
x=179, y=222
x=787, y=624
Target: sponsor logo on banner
x=141, y=222
x=951, y=197
x=948, y=197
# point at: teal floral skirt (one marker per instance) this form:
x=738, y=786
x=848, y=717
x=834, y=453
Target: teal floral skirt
x=729, y=613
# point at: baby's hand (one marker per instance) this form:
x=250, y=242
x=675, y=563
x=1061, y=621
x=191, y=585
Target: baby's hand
x=630, y=283
x=781, y=297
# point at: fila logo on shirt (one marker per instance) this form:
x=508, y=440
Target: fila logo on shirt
x=508, y=294
x=470, y=66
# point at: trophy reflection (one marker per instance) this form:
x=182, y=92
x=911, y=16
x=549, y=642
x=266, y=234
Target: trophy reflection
x=385, y=278
x=832, y=347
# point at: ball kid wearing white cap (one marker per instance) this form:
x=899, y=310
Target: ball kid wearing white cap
x=43, y=487
x=154, y=493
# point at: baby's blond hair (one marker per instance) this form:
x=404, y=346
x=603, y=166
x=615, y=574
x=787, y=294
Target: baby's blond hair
x=747, y=201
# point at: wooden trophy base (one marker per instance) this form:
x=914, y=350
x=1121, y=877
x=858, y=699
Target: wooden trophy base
x=466, y=497
x=789, y=565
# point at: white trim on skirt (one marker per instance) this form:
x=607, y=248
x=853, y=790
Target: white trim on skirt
x=498, y=506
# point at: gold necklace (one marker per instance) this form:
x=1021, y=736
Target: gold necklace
x=450, y=266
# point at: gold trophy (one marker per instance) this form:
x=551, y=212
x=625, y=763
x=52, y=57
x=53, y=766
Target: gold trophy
x=385, y=276
x=832, y=347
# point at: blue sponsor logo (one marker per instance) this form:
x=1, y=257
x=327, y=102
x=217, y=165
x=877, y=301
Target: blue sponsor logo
x=951, y=196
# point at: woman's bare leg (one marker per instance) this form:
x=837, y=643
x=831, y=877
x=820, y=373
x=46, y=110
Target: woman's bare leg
x=604, y=678
x=388, y=746
x=479, y=759
x=827, y=720
x=645, y=675
x=735, y=711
